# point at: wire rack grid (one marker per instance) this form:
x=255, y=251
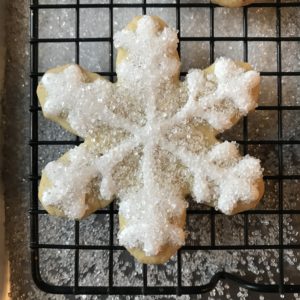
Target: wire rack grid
x=35, y=142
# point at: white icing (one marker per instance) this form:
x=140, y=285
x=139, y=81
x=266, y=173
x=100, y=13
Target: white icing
x=69, y=182
x=220, y=97
x=148, y=213
x=150, y=54
x=220, y=175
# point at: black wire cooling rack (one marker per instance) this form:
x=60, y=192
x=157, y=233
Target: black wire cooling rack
x=279, y=142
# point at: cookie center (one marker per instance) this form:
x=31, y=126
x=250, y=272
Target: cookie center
x=150, y=133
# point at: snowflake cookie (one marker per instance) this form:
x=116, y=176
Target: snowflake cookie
x=150, y=140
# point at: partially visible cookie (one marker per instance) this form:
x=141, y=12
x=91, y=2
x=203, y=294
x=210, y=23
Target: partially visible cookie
x=233, y=3
x=150, y=140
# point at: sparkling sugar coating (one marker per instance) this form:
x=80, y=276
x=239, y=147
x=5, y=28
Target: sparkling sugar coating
x=157, y=137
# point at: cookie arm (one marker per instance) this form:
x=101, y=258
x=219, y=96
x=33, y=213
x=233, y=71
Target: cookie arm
x=166, y=251
x=222, y=93
x=233, y=183
x=42, y=96
x=152, y=219
x=58, y=91
x=66, y=192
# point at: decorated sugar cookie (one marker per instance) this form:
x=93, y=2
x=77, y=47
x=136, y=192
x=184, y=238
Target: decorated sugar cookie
x=150, y=140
